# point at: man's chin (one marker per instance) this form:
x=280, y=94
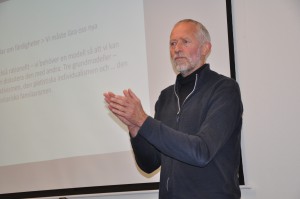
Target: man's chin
x=184, y=70
x=181, y=68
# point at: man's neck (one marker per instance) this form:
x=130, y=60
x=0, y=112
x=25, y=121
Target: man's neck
x=189, y=72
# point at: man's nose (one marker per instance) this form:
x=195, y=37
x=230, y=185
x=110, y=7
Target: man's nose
x=178, y=47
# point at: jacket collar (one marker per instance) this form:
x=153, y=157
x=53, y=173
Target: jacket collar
x=197, y=74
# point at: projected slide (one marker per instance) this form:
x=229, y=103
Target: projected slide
x=56, y=61
x=57, y=58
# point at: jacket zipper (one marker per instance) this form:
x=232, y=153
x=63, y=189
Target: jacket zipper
x=178, y=102
x=179, y=112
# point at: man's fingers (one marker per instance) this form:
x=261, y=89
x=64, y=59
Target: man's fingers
x=126, y=94
x=132, y=95
x=120, y=100
x=108, y=96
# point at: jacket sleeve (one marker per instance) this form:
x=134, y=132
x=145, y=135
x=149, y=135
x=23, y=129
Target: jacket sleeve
x=146, y=155
x=223, y=118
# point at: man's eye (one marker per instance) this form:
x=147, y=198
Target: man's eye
x=185, y=41
x=173, y=43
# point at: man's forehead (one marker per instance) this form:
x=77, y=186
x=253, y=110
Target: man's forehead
x=183, y=30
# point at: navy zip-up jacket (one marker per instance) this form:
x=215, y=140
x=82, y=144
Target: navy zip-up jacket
x=196, y=144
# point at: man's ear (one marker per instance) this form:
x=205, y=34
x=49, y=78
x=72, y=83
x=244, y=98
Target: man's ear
x=206, y=48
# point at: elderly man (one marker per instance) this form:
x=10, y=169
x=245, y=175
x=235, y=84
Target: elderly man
x=195, y=134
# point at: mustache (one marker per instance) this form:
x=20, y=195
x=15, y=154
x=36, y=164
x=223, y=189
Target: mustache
x=179, y=54
x=179, y=57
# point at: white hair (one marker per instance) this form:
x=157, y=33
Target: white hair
x=202, y=33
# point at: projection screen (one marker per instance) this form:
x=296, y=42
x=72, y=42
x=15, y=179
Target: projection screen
x=57, y=58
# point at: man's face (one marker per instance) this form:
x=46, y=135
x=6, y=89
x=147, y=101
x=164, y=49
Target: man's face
x=185, y=48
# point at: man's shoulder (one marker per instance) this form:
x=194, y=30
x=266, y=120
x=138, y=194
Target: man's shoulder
x=168, y=90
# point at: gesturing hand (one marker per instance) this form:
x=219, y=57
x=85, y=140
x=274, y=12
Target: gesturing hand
x=128, y=109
